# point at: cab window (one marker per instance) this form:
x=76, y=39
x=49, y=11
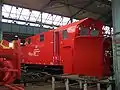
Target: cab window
x=94, y=33
x=64, y=34
x=41, y=37
x=84, y=31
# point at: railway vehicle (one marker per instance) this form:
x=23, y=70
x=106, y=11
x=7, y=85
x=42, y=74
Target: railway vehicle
x=10, y=65
x=78, y=48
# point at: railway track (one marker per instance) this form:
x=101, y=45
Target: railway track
x=12, y=87
x=68, y=81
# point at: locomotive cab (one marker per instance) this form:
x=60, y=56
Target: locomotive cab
x=88, y=53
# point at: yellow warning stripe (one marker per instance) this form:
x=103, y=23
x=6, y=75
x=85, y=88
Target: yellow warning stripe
x=4, y=47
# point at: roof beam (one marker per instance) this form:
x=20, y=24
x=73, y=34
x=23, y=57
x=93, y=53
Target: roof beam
x=92, y=1
x=29, y=22
x=83, y=8
x=105, y=15
x=107, y=2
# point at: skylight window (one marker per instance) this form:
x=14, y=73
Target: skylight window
x=35, y=13
x=4, y=20
x=46, y=26
x=57, y=18
x=13, y=15
x=24, y=16
x=44, y=15
x=65, y=20
x=10, y=21
x=5, y=14
x=26, y=12
x=32, y=19
x=6, y=8
x=74, y=20
x=18, y=22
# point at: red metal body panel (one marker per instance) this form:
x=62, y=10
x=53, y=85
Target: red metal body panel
x=88, y=55
x=77, y=53
x=39, y=52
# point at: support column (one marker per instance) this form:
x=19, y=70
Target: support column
x=41, y=16
x=116, y=41
x=71, y=20
x=67, y=84
x=98, y=86
x=1, y=34
x=53, y=83
x=85, y=86
x=80, y=84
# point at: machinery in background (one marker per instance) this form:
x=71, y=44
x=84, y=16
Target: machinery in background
x=77, y=48
x=10, y=64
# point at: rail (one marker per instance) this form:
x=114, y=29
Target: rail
x=83, y=82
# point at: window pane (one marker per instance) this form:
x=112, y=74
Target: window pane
x=18, y=22
x=13, y=15
x=64, y=34
x=65, y=20
x=57, y=18
x=13, y=10
x=74, y=20
x=84, y=31
x=25, y=12
x=46, y=26
x=44, y=15
x=48, y=22
x=4, y=20
x=23, y=17
x=42, y=37
x=32, y=19
x=35, y=13
x=10, y=21
x=5, y=14
x=94, y=33
x=7, y=8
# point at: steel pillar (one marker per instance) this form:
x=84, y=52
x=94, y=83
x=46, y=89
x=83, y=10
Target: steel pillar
x=98, y=86
x=85, y=86
x=53, y=83
x=1, y=34
x=80, y=84
x=67, y=84
x=116, y=41
x=41, y=19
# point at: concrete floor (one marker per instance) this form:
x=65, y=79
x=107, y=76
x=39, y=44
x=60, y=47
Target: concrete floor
x=38, y=88
x=48, y=87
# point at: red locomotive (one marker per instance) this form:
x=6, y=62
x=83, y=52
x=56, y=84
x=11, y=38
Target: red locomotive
x=77, y=48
